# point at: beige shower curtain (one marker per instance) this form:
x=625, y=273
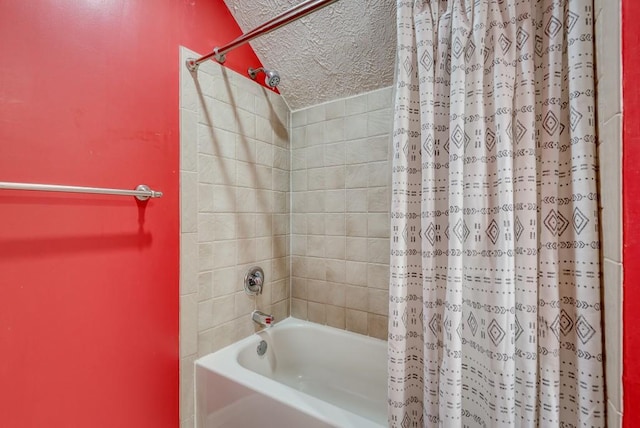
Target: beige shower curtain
x=495, y=307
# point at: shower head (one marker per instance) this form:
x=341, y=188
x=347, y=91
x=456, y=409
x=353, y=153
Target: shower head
x=272, y=77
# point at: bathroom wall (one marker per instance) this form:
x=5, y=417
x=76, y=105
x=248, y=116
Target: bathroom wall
x=608, y=63
x=89, y=283
x=234, y=189
x=341, y=198
x=631, y=204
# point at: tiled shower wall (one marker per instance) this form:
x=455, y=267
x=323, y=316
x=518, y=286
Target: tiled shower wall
x=234, y=185
x=340, y=212
x=609, y=92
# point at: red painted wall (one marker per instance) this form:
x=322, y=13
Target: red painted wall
x=631, y=209
x=89, y=284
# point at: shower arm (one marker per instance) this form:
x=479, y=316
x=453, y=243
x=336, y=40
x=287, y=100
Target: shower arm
x=293, y=14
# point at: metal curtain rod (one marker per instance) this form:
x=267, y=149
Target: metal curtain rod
x=142, y=192
x=293, y=14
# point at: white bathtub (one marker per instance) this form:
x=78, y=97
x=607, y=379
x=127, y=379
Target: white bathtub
x=311, y=376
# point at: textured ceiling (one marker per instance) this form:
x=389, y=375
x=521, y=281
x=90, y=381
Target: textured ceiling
x=345, y=49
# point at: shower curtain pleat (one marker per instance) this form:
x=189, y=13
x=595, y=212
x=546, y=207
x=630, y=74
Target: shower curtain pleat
x=495, y=280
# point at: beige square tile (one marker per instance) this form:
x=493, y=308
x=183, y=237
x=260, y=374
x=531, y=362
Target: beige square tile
x=356, y=273
x=224, y=254
x=335, y=270
x=205, y=257
x=356, y=224
x=335, y=201
x=378, y=276
x=356, y=105
x=317, y=313
x=188, y=324
x=187, y=381
x=205, y=227
x=335, y=177
x=245, y=225
x=299, y=137
x=335, y=109
x=205, y=315
x=315, y=137
x=223, y=309
x=316, y=224
x=299, y=245
x=336, y=316
x=379, y=99
x=356, y=321
x=205, y=198
x=299, y=309
x=188, y=263
x=356, y=200
x=188, y=202
x=315, y=246
x=379, y=174
x=299, y=288
x=315, y=268
x=336, y=294
x=188, y=140
x=299, y=180
x=205, y=286
x=378, y=250
x=316, y=179
x=379, y=148
x=316, y=201
x=279, y=291
x=379, y=122
x=334, y=154
x=280, y=246
x=246, y=147
x=356, y=249
x=357, y=127
x=246, y=251
x=244, y=304
x=378, y=301
x=224, y=199
x=246, y=200
x=316, y=114
x=299, y=118
x=378, y=326
x=378, y=199
x=357, y=151
x=298, y=265
x=334, y=130
x=357, y=176
x=335, y=224
x=356, y=297
x=224, y=281
x=335, y=247
x=264, y=225
x=317, y=291
x=279, y=268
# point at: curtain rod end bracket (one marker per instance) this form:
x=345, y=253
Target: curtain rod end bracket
x=192, y=64
x=221, y=58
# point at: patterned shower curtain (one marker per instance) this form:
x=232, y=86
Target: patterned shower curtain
x=495, y=314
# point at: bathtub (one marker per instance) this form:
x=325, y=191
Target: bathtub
x=310, y=376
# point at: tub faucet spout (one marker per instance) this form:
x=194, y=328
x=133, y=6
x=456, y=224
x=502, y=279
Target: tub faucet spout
x=265, y=320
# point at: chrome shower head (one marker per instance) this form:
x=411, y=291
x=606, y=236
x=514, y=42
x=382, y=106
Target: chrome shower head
x=272, y=77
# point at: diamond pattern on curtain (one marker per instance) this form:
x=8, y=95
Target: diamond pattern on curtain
x=495, y=307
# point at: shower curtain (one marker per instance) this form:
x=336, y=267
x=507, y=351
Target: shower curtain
x=495, y=313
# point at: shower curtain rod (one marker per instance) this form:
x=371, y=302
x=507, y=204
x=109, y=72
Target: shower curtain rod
x=293, y=14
